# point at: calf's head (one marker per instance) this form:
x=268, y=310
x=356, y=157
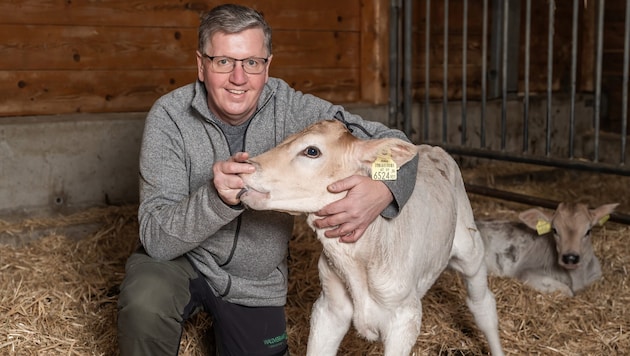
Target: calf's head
x=293, y=177
x=571, y=226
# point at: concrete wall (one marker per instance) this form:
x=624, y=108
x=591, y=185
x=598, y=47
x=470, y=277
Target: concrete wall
x=57, y=163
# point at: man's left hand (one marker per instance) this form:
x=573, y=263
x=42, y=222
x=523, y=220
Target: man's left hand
x=350, y=216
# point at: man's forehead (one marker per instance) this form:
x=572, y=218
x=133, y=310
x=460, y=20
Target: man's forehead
x=248, y=40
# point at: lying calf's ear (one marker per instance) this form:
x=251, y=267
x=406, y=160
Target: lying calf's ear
x=602, y=213
x=536, y=220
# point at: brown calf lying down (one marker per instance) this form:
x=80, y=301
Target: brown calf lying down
x=551, y=252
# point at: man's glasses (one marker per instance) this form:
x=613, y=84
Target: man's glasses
x=223, y=64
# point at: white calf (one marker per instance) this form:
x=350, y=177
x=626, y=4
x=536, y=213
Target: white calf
x=377, y=282
x=560, y=259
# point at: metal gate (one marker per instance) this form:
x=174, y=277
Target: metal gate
x=508, y=119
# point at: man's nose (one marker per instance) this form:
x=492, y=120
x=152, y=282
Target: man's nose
x=238, y=74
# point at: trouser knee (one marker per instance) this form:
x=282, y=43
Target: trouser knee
x=152, y=306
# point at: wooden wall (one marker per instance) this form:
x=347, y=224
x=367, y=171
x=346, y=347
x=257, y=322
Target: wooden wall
x=68, y=56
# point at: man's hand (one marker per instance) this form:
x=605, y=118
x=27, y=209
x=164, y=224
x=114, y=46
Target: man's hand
x=226, y=179
x=350, y=216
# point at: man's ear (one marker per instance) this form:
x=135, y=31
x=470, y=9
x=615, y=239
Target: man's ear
x=200, y=69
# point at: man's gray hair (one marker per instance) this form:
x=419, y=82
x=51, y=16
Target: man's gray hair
x=230, y=19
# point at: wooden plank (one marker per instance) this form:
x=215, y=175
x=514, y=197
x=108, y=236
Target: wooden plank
x=89, y=47
x=332, y=84
x=316, y=49
x=613, y=66
x=146, y=13
x=59, y=92
x=374, y=57
x=281, y=14
x=323, y=15
x=47, y=92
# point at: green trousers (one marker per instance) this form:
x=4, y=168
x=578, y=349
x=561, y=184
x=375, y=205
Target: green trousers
x=157, y=297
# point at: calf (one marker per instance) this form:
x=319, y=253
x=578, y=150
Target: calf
x=377, y=283
x=552, y=252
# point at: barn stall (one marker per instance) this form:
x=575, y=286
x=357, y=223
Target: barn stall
x=63, y=257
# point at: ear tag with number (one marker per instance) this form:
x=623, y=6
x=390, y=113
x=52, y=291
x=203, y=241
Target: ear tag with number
x=603, y=220
x=384, y=167
x=543, y=227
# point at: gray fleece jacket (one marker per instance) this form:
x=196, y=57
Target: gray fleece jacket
x=242, y=253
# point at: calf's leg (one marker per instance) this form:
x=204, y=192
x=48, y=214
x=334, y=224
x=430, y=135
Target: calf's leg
x=544, y=283
x=403, y=328
x=332, y=314
x=481, y=303
x=468, y=260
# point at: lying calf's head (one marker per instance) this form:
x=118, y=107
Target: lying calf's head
x=571, y=226
x=294, y=176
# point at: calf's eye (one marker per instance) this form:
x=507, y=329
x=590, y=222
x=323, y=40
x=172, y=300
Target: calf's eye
x=312, y=152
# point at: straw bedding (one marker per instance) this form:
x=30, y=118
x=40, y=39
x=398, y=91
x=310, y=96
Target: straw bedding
x=59, y=293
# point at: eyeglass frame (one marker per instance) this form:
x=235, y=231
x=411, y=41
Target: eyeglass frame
x=211, y=58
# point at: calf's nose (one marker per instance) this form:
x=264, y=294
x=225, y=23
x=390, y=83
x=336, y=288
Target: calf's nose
x=571, y=259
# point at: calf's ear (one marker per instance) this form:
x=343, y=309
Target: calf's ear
x=400, y=151
x=601, y=214
x=536, y=220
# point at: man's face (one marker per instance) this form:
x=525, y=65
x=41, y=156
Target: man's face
x=233, y=96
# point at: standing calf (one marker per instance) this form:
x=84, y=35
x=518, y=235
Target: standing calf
x=377, y=282
x=559, y=257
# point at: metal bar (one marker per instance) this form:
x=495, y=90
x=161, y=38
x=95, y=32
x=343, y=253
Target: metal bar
x=550, y=33
x=464, y=67
x=445, y=77
x=540, y=160
x=574, y=45
x=504, y=64
x=394, y=100
x=530, y=200
x=624, y=97
x=528, y=34
x=407, y=71
x=598, y=77
x=484, y=74
x=427, y=65
x=498, y=9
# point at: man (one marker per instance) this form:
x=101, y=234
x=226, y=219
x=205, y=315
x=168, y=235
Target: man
x=200, y=250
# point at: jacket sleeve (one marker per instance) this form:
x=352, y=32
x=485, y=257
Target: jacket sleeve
x=174, y=216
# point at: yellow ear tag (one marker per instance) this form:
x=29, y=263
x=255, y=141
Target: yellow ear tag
x=543, y=227
x=384, y=167
x=603, y=220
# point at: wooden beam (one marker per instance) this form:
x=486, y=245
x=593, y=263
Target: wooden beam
x=374, y=51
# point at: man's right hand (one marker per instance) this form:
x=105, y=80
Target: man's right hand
x=226, y=179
